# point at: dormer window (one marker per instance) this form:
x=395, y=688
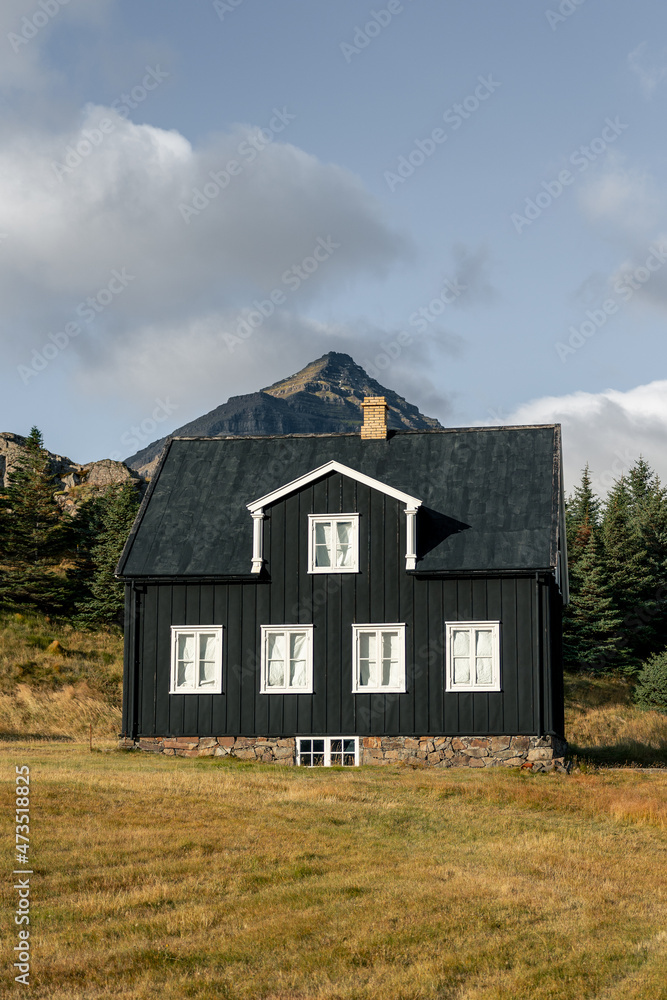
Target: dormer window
x=333, y=543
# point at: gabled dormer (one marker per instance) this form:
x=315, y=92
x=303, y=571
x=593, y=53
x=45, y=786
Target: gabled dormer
x=333, y=539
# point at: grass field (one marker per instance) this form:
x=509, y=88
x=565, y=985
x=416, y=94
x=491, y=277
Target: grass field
x=177, y=878
x=171, y=878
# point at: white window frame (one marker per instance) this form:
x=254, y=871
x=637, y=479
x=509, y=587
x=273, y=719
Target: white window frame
x=327, y=750
x=286, y=630
x=314, y=519
x=495, y=656
x=378, y=628
x=197, y=687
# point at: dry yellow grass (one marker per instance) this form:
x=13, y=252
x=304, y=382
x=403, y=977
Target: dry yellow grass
x=58, y=692
x=602, y=723
x=172, y=878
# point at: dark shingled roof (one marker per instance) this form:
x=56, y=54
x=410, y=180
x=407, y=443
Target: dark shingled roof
x=502, y=483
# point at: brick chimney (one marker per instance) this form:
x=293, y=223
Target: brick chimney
x=374, y=427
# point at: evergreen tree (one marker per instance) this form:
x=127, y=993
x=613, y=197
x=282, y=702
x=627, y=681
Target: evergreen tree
x=651, y=690
x=116, y=511
x=592, y=637
x=629, y=570
x=582, y=516
x=34, y=529
x=642, y=485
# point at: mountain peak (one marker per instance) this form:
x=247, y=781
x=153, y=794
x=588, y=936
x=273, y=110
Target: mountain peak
x=324, y=397
x=332, y=369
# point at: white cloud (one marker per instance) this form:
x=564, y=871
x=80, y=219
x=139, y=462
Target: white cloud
x=78, y=205
x=608, y=430
x=202, y=362
x=650, y=71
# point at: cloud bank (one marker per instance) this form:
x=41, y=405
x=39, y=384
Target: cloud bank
x=608, y=430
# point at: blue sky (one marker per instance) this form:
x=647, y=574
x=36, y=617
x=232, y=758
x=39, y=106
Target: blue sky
x=466, y=197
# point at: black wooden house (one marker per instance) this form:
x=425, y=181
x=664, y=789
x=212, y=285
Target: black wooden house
x=350, y=598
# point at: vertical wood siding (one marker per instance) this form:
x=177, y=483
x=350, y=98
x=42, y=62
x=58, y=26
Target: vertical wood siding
x=381, y=592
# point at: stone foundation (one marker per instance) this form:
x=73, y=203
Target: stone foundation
x=534, y=753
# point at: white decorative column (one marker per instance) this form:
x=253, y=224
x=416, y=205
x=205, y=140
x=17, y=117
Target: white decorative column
x=411, y=537
x=257, y=540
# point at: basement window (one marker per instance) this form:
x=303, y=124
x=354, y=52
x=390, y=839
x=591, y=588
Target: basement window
x=196, y=659
x=473, y=656
x=327, y=751
x=333, y=543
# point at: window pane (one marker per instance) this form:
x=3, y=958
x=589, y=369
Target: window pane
x=323, y=543
x=461, y=670
x=207, y=658
x=349, y=746
x=318, y=746
x=298, y=659
x=186, y=646
x=344, y=547
x=206, y=672
x=484, y=671
x=185, y=674
x=305, y=746
x=483, y=644
x=336, y=746
x=207, y=646
x=185, y=667
x=367, y=658
x=276, y=655
x=389, y=659
x=461, y=643
x=367, y=645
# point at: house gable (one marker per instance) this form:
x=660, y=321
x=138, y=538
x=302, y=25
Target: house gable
x=257, y=508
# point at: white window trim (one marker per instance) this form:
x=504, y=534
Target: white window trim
x=327, y=749
x=314, y=519
x=449, y=659
x=378, y=627
x=196, y=630
x=266, y=631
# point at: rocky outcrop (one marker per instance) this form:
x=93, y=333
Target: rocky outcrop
x=325, y=397
x=74, y=482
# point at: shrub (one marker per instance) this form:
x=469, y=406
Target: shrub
x=651, y=690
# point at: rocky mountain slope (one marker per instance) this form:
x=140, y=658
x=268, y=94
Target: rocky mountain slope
x=324, y=397
x=75, y=481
